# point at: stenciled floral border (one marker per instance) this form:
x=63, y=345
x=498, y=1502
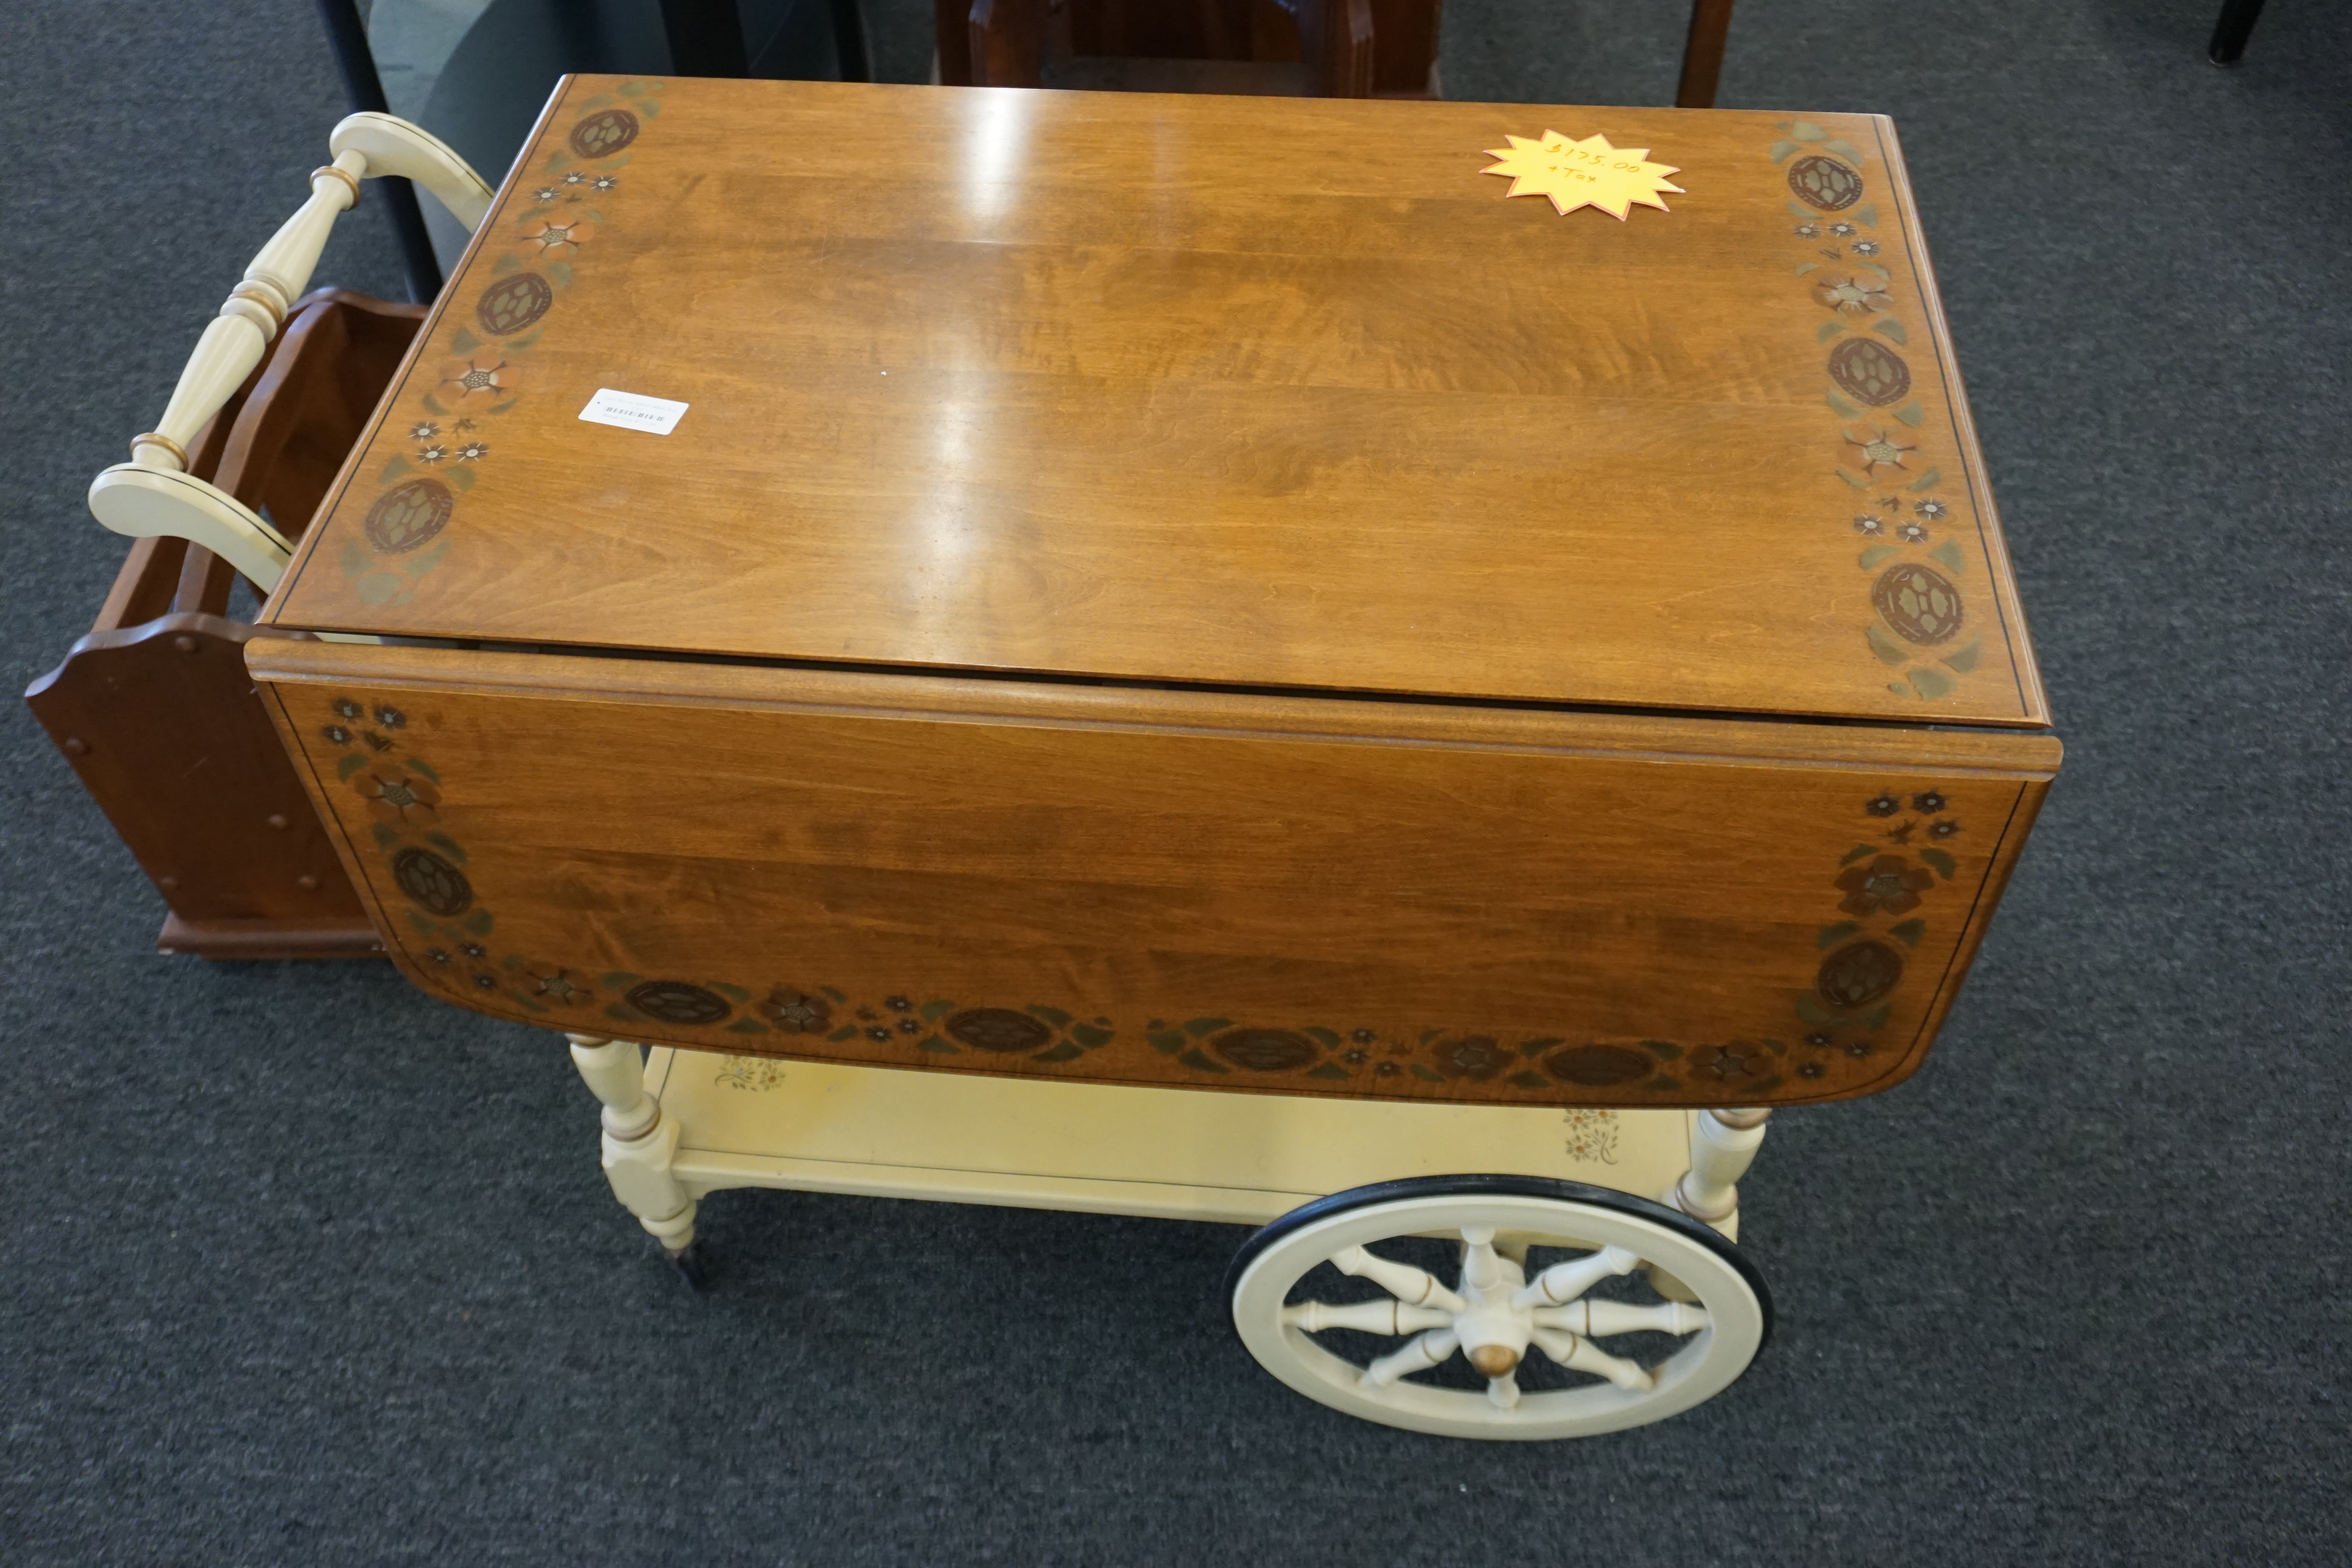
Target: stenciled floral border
x=453, y=937
x=1920, y=622
x=484, y=361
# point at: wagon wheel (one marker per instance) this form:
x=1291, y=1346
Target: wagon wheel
x=1548, y=1329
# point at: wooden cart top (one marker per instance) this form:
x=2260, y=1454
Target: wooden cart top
x=1274, y=393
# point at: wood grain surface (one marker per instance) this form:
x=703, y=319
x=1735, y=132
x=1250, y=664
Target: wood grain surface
x=1277, y=392
x=1276, y=894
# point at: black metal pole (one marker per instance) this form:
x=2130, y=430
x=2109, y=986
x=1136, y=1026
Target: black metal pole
x=2230, y=32
x=348, y=39
x=849, y=41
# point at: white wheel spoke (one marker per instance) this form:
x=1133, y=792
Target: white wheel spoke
x=1424, y=1352
x=1412, y=1285
x=1481, y=1270
x=1580, y=1356
x=1564, y=1282
x=1502, y=1393
x=1605, y=1317
x=1383, y=1317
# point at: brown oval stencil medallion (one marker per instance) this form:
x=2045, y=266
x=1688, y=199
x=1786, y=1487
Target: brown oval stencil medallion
x=675, y=1002
x=1597, y=1066
x=1859, y=973
x=1870, y=371
x=1824, y=183
x=512, y=303
x=604, y=133
x=432, y=883
x=1920, y=602
x=406, y=516
x=1265, y=1050
x=998, y=1030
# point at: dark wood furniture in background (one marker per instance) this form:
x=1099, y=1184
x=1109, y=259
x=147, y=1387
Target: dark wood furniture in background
x=153, y=707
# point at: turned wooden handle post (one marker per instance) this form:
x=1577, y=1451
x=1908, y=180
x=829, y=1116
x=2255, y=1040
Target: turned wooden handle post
x=1723, y=1145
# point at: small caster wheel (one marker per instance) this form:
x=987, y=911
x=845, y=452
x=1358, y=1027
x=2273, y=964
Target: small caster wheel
x=690, y=1264
x=1558, y=1269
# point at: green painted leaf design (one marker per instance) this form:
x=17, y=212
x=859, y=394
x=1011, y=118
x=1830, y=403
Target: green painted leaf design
x=560, y=274
x=1877, y=1018
x=736, y=992
x=1842, y=148
x=1806, y=130
x=347, y=767
x=480, y=922
x=1856, y=480
x=1807, y=266
x=1428, y=1075
x=599, y=101
x=392, y=471
x=464, y=343
x=633, y=88
x=847, y=1032
x=423, y=927
x=1166, y=1043
x=420, y=565
x=1891, y=328
x=616, y=980
x=1524, y=1080
x=432, y=404
x=649, y=108
x=1767, y=1087
x=378, y=589
x=1827, y=330
x=1199, y=1063
x=1911, y=414
x=1875, y=554
x=1200, y=1027
x=1932, y=684
x=1927, y=480
x=1782, y=149
x=1664, y=1050
x=1910, y=932
x=462, y=478
x=448, y=845
x=1091, y=1037
x=418, y=764
x=1832, y=935
x=505, y=263
x=1859, y=852
x=837, y=996
x=502, y=407
x=747, y=1027
x=1065, y=1052
x=1967, y=659
x=936, y=1045
x=1052, y=1015
x=1844, y=408
x=1662, y=1085
x=1867, y=214
x=1429, y=1034
x=1949, y=554
x=932, y=1010
x=1329, y=1070
x=1874, y=267
x=1888, y=650
x=525, y=340
x=1327, y=1037
x=525, y=1001
x=625, y=1013
x=1898, y=688
x=1535, y=1047
x=1801, y=209
x=1945, y=866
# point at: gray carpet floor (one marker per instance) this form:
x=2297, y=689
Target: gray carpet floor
x=302, y=1267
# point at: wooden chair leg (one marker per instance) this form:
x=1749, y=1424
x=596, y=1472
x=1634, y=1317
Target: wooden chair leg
x=1710, y=24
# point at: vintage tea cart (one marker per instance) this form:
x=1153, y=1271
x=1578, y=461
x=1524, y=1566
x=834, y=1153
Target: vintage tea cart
x=1174, y=656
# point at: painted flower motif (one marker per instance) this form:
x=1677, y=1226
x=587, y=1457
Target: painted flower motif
x=555, y=983
x=472, y=378
x=1355, y=1058
x=1869, y=527
x=423, y=430
x=910, y=1027
x=396, y=796
x=1811, y=1070
x=1933, y=510
x=1880, y=447
x=1851, y=295
x=1911, y=533
x=473, y=451
x=1841, y=229
x=438, y=955
x=559, y=238
x=575, y=178
x=1362, y=1037
x=1865, y=247
x=472, y=950
x=1882, y=804
x=1387, y=1069
x=485, y=983
x=1943, y=829
x=391, y=717
x=1738, y=1059
x=1929, y=801
x=338, y=735
x=899, y=1004
x=1860, y=1048
x=347, y=708
x=543, y=194
x=1807, y=231
x=1475, y=1057
x=1890, y=883
x=604, y=183
x=796, y=1012
x=878, y=1032
x=433, y=454
x=1817, y=1039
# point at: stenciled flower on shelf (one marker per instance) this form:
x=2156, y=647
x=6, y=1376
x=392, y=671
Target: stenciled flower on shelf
x=559, y=238
x=1911, y=533
x=543, y=194
x=575, y=178
x=1882, y=804
x=473, y=451
x=397, y=796
x=423, y=430
x=1851, y=295
x=474, y=378
x=1865, y=247
x=1889, y=883
x=432, y=454
x=1878, y=447
x=796, y=1012
x=1929, y=801
x=605, y=183
x=1932, y=510
x=1869, y=527
x=750, y=1072
x=1807, y=231
x=1737, y=1060
x=1477, y=1057
x=1842, y=229
x=1591, y=1136
x=555, y=983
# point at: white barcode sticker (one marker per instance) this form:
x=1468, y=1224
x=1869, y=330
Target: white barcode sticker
x=633, y=411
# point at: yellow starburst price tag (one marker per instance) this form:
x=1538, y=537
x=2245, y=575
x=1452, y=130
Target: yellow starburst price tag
x=1586, y=174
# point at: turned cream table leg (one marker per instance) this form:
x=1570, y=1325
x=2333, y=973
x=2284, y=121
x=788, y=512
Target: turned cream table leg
x=639, y=1142
x=1723, y=1145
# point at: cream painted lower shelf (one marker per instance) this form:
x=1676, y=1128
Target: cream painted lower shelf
x=1105, y=1149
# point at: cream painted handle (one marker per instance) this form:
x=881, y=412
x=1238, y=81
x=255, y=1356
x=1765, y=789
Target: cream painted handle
x=395, y=147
